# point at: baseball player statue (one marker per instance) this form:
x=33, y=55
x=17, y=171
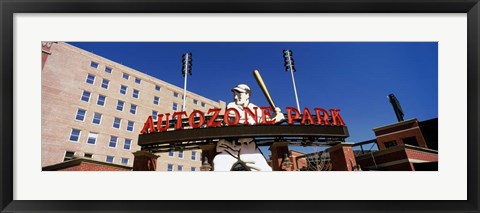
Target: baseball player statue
x=243, y=151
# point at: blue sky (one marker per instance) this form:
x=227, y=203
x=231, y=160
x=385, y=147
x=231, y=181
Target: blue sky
x=355, y=77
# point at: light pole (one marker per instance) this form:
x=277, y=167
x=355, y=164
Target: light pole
x=290, y=66
x=396, y=107
x=186, y=70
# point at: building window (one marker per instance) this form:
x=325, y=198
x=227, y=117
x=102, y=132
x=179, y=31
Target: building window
x=126, y=76
x=86, y=96
x=124, y=161
x=105, y=83
x=179, y=168
x=108, y=69
x=175, y=106
x=97, y=118
x=171, y=153
x=193, y=169
x=138, y=80
x=203, y=104
x=94, y=64
x=180, y=154
x=157, y=87
x=127, y=144
x=170, y=167
x=410, y=141
x=101, y=100
x=194, y=155
x=130, y=126
x=120, y=105
x=113, y=141
x=133, y=109
x=116, y=122
x=88, y=155
x=74, y=135
x=92, y=138
x=175, y=94
x=80, y=114
x=390, y=144
x=109, y=159
x=68, y=156
x=135, y=93
x=90, y=79
x=123, y=89
x=195, y=102
x=156, y=100
x=154, y=115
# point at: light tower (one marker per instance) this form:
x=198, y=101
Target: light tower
x=396, y=107
x=186, y=70
x=290, y=66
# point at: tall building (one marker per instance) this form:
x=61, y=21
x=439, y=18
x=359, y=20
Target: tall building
x=95, y=108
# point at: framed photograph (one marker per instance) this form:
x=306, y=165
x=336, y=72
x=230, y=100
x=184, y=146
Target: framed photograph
x=353, y=49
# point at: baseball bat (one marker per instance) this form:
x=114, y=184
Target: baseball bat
x=262, y=85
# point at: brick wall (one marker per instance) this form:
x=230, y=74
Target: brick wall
x=93, y=167
x=398, y=158
x=419, y=155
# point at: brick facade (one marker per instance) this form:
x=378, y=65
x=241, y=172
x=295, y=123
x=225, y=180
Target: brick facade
x=342, y=157
x=83, y=164
x=399, y=133
x=64, y=79
x=398, y=158
x=395, y=154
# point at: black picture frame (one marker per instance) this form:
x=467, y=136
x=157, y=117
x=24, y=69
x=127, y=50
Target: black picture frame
x=9, y=8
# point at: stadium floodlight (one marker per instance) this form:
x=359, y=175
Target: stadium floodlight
x=186, y=70
x=396, y=107
x=290, y=66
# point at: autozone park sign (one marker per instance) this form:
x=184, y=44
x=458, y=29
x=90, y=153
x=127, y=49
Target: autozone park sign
x=197, y=119
x=197, y=128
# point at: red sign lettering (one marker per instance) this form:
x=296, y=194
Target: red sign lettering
x=253, y=115
x=148, y=126
x=229, y=120
x=159, y=122
x=336, y=118
x=179, y=119
x=291, y=117
x=266, y=113
x=232, y=117
x=307, y=116
x=191, y=119
x=212, y=122
x=322, y=119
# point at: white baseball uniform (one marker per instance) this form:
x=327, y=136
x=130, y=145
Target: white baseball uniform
x=245, y=148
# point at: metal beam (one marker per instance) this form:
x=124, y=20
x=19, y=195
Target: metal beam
x=273, y=131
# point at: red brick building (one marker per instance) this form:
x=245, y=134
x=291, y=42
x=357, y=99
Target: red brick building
x=86, y=164
x=404, y=146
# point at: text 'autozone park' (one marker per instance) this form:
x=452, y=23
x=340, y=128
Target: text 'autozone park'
x=185, y=131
